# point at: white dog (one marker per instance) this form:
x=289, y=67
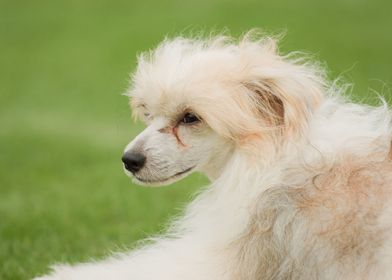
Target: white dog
x=301, y=178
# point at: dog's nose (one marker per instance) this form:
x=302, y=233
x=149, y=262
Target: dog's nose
x=133, y=161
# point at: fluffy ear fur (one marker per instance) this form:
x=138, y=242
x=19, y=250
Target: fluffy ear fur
x=274, y=94
x=286, y=97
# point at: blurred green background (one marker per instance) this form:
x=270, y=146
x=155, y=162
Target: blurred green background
x=64, y=123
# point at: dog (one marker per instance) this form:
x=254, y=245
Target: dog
x=301, y=178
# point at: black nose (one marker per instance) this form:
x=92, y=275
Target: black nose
x=133, y=161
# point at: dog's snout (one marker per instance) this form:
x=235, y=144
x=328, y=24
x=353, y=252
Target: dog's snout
x=133, y=161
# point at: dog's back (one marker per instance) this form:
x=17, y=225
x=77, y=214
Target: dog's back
x=330, y=214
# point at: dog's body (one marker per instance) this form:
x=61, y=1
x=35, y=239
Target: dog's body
x=301, y=179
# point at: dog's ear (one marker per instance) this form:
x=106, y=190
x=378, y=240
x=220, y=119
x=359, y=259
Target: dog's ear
x=285, y=97
x=267, y=105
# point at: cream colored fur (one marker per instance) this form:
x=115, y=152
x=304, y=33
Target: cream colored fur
x=301, y=178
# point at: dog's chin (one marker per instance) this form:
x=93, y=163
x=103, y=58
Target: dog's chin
x=152, y=182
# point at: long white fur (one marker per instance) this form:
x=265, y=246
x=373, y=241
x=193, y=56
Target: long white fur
x=254, y=165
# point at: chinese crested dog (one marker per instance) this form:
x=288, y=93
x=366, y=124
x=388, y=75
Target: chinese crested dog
x=301, y=178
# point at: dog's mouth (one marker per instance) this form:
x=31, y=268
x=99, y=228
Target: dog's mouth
x=166, y=180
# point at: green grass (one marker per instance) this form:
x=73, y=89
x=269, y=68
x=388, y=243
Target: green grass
x=64, y=123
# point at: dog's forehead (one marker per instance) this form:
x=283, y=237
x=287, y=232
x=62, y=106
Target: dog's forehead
x=168, y=86
x=172, y=96
x=163, y=101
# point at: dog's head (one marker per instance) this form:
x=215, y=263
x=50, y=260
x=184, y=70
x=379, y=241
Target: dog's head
x=202, y=100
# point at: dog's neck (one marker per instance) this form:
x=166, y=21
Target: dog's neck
x=224, y=206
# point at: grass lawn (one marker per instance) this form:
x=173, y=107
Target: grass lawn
x=64, y=123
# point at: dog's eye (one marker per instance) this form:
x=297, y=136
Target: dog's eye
x=148, y=116
x=190, y=118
